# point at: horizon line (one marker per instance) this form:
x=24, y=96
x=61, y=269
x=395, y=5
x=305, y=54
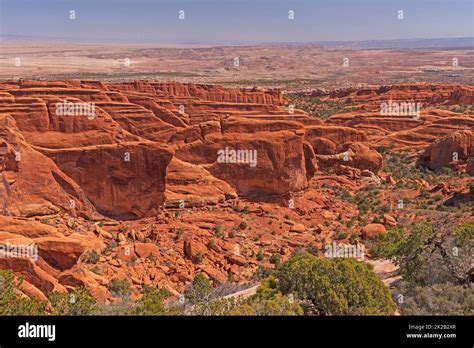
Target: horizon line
x=48, y=39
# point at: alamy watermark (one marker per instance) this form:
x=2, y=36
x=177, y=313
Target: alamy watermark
x=22, y=251
x=66, y=108
x=28, y=330
x=228, y=155
x=344, y=250
x=400, y=109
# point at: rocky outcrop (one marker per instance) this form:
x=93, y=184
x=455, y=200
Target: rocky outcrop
x=122, y=181
x=205, y=92
x=355, y=155
x=193, y=186
x=31, y=184
x=271, y=165
x=454, y=148
x=40, y=252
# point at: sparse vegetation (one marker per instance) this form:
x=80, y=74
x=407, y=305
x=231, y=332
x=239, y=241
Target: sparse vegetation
x=340, y=235
x=275, y=259
x=199, y=258
x=77, y=302
x=179, y=233
x=316, y=107
x=242, y=225
x=434, y=260
x=120, y=287
x=217, y=229
x=91, y=257
x=151, y=302
x=11, y=303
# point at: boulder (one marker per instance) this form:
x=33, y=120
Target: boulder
x=456, y=147
x=144, y=250
x=194, y=250
x=298, y=228
x=372, y=230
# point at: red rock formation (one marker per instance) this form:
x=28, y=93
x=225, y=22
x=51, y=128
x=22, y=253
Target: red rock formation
x=194, y=186
x=50, y=253
x=122, y=181
x=157, y=156
x=273, y=165
x=355, y=155
x=31, y=184
x=402, y=130
x=456, y=147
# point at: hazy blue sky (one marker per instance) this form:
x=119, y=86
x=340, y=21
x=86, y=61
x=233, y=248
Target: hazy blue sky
x=237, y=21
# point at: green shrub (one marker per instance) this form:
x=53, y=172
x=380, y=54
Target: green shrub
x=275, y=259
x=429, y=253
x=199, y=258
x=340, y=235
x=340, y=286
x=388, y=245
x=11, y=301
x=77, y=302
x=179, y=233
x=199, y=291
x=268, y=301
x=218, y=231
x=96, y=270
x=91, y=257
x=151, y=302
x=464, y=235
x=313, y=250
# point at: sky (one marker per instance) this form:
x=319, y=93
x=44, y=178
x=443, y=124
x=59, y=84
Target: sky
x=236, y=21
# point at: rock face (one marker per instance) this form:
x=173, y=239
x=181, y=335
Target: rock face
x=116, y=145
x=31, y=184
x=363, y=157
x=456, y=147
x=123, y=181
x=276, y=165
x=194, y=186
x=74, y=150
